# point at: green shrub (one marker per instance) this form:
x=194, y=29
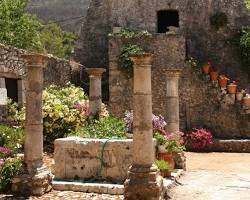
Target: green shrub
x=244, y=46
x=126, y=33
x=64, y=110
x=12, y=138
x=218, y=20
x=125, y=63
x=109, y=127
x=12, y=109
x=163, y=165
x=8, y=170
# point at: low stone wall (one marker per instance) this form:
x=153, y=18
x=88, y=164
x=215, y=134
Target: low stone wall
x=58, y=71
x=78, y=158
x=236, y=146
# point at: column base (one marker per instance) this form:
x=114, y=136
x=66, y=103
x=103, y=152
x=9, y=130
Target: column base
x=37, y=183
x=143, y=185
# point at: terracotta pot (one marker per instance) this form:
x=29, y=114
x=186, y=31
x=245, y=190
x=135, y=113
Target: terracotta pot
x=231, y=88
x=168, y=157
x=239, y=96
x=246, y=102
x=214, y=76
x=206, y=68
x=165, y=173
x=223, y=83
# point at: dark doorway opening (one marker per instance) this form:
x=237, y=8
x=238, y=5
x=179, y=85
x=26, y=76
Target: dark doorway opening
x=167, y=18
x=11, y=86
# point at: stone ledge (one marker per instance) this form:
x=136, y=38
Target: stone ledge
x=100, y=188
x=104, y=188
x=235, y=146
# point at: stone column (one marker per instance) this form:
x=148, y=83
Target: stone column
x=37, y=178
x=143, y=180
x=172, y=98
x=95, y=89
x=3, y=99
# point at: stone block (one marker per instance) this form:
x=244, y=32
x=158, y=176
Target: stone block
x=78, y=158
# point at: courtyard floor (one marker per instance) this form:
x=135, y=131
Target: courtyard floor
x=209, y=176
x=214, y=176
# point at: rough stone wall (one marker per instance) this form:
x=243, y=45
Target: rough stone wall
x=169, y=52
x=203, y=41
x=202, y=104
x=58, y=71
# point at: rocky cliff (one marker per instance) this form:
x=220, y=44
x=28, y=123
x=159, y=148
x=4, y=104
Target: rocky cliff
x=68, y=13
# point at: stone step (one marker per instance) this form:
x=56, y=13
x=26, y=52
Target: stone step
x=105, y=188
x=233, y=145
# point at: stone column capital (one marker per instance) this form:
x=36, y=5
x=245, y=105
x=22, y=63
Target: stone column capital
x=35, y=60
x=95, y=71
x=142, y=59
x=173, y=73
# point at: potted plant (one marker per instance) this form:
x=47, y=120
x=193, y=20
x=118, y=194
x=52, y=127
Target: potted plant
x=198, y=139
x=174, y=144
x=161, y=141
x=232, y=87
x=246, y=101
x=240, y=94
x=164, y=168
x=223, y=81
x=214, y=74
x=206, y=67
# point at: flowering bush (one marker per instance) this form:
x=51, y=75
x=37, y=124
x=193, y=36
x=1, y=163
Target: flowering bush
x=8, y=169
x=65, y=109
x=4, y=152
x=11, y=138
x=175, y=142
x=158, y=122
x=199, y=139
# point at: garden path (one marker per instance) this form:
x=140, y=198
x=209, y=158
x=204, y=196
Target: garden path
x=214, y=176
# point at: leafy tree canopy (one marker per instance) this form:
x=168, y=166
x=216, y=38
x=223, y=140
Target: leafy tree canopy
x=23, y=30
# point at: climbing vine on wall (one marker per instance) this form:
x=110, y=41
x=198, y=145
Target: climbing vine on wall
x=125, y=64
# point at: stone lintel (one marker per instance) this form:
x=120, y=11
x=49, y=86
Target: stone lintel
x=96, y=72
x=35, y=60
x=142, y=60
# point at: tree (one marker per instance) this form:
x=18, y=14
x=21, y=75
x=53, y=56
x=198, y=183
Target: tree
x=18, y=28
x=56, y=41
x=248, y=4
x=23, y=30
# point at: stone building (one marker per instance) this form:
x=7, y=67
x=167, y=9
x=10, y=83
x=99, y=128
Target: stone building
x=201, y=104
x=13, y=73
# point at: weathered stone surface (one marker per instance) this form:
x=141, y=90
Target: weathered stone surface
x=199, y=105
x=81, y=158
x=37, y=183
x=58, y=71
x=203, y=41
x=61, y=12
x=241, y=146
